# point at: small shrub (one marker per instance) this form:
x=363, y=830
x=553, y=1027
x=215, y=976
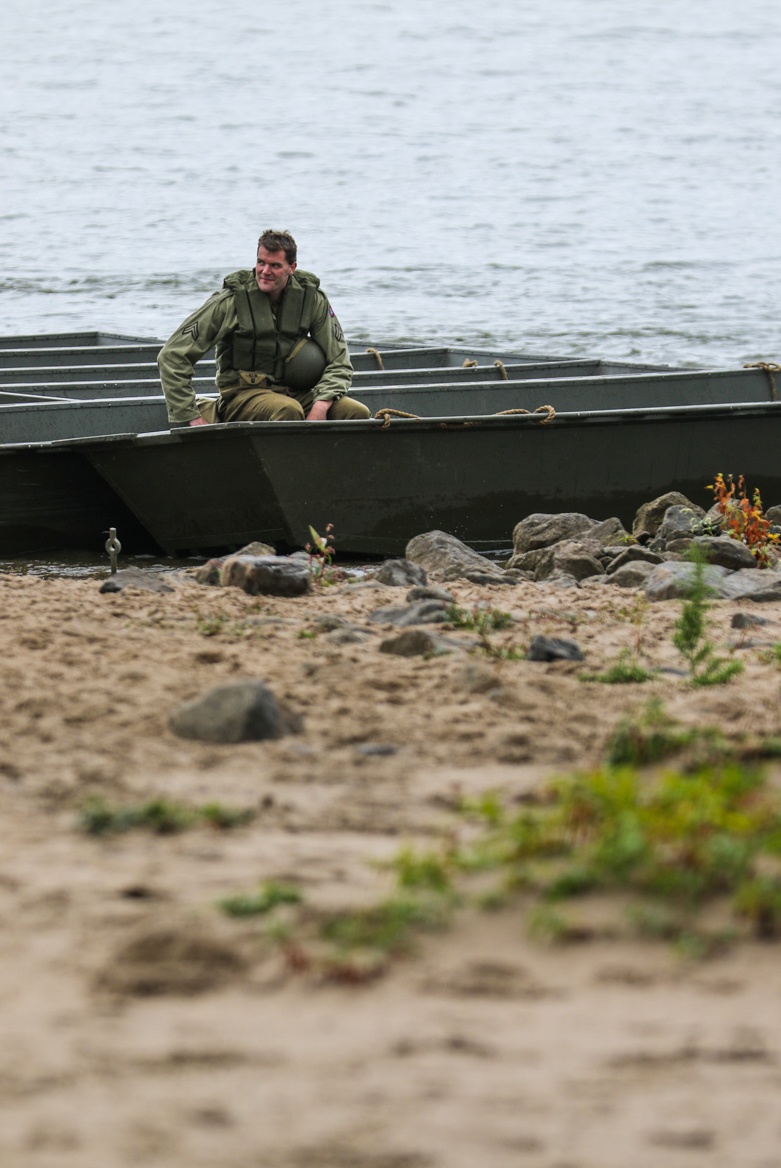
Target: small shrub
x=261, y=902
x=743, y=518
x=705, y=668
x=625, y=671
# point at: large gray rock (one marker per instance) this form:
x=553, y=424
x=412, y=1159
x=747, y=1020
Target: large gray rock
x=570, y=557
x=673, y=580
x=649, y=517
x=446, y=558
x=758, y=585
x=540, y=530
x=680, y=522
x=632, y=554
x=240, y=711
x=401, y=574
x=721, y=549
x=267, y=575
x=633, y=574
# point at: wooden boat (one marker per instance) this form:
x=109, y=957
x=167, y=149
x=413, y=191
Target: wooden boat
x=617, y=438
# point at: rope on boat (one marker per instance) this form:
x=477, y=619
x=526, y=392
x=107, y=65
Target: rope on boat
x=386, y=415
x=549, y=412
x=771, y=369
x=500, y=366
x=376, y=354
x=469, y=364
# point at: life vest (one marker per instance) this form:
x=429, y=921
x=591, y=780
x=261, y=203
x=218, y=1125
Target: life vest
x=261, y=342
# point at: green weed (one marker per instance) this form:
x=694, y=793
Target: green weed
x=478, y=619
x=652, y=736
x=689, y=638
x=389, y=927
x=160, y=816
x=625, y=671
x=261, y=902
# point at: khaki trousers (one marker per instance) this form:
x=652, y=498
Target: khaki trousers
x=259, y=404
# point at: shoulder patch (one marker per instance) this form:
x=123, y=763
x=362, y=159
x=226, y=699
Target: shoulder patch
x=192, y=330
x=337, y=328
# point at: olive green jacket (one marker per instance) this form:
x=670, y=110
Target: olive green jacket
x=215, y=323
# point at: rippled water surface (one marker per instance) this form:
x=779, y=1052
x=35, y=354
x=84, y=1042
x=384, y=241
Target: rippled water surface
x=579, y=176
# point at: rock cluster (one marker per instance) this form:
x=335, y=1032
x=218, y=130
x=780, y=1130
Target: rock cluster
x=566, y=549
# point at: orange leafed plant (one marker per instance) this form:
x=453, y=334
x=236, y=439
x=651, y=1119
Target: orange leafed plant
x=743, y=517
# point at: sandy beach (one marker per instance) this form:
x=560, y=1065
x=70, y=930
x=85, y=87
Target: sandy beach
x=141, y=1025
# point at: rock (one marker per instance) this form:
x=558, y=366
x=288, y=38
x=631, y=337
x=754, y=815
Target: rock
x=256, y=548
x=553, y=649
x=676, y=547
x=774, y=515
x=763, y=586
x=649, y=517
x=633, y=554
x=562, y=580
x=489, y=577
x=446, y=558
x=135, y=578
x=422, y=613
x=631, y=575
x=412, y=643
x=346, y=637
x=680, y=522
x=570, y=557
x=610, y=533
x=673, y=580
x=747, y=620
x=400, y=574
x=476, y=677
x=330, y=621
x=267, y=575
x=210, y=573
x=428, y=592
x=240, y=711
x=721, y=549
x=541, y=531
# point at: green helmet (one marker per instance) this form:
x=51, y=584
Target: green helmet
x=305, y=366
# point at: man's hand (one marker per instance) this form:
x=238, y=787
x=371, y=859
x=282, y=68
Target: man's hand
x=198, y=422
x=318, y=412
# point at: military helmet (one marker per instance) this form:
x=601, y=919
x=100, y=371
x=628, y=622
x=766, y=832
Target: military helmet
x=305, y=366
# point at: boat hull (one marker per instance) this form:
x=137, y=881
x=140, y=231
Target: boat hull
x=473, y=477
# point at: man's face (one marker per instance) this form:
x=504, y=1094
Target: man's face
x=272, y=272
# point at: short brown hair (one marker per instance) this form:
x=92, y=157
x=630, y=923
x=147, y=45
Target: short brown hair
x=279, y=241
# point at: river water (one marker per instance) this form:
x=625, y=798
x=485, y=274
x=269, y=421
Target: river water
x=573, y=177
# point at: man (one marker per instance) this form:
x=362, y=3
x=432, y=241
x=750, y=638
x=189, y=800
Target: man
x=281, y=352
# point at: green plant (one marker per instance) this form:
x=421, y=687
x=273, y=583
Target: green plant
x=625, y=671
x=652, y=736
x=481, y=619
x=389, y=926
x=743, y=518
x=689, y=638
x=160, y=816
x=261, y=902
x=321, y=551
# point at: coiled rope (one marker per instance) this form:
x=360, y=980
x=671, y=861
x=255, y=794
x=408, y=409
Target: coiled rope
x=771, y=369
